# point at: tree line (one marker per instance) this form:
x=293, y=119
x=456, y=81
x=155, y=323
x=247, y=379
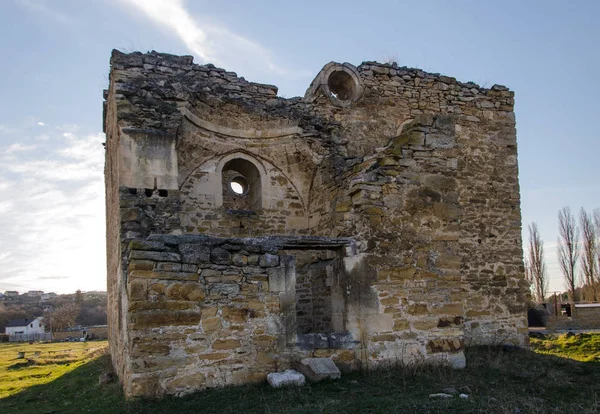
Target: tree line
x=578, y=252
x=60, y=313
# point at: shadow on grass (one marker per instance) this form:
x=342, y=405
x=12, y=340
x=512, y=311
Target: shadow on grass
x=40, y=362
x=499, y=380
x=75, y=391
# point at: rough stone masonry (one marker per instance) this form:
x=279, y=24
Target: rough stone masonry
x=375, y=220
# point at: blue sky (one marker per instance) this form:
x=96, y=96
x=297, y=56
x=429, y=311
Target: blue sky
x=55, y=61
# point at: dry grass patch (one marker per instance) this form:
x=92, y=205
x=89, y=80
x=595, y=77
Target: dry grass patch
x=42, y=362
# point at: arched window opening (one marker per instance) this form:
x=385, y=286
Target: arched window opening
x=241, y=185
x=341, y=85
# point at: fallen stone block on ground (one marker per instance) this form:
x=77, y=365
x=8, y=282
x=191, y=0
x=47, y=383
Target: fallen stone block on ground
x=282, y=379
x=440, y=395
x=318, y=369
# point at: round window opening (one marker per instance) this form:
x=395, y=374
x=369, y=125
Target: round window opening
x=341, y=85
x=239, y=185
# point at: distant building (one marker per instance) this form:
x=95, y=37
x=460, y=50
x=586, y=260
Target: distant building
x=47, y=296
x=95, y=294
x=34, y=293
x=27, y=326
x=11, y=293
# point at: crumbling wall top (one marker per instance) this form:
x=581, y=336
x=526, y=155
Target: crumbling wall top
x=147, y=84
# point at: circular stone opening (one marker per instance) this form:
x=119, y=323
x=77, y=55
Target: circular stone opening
x=239, y=185
x=341, y=85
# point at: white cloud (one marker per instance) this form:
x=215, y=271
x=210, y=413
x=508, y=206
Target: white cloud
x=52, y=215
x=211, y=43
x=18, y=147
x=40, y=123
x=80, y=160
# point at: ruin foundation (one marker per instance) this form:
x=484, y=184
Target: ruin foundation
x=375, y=221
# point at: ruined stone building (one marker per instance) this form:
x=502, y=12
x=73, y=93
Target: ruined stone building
x=375, y=220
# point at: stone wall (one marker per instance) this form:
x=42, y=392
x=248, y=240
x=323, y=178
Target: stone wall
x=585, y=316
x=207, y=311
x=318, y=293
x=93, y=333
x=389, y=197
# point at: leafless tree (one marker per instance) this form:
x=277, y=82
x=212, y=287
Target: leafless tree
x=535, y=266
x=588, y=254
x=62, y=317
x=568, y=249
x=528, y=274
x=529, y=278
x=597, y=227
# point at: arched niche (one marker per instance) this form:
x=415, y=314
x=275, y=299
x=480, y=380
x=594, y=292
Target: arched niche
x=268, y=196
x=241, y=185
x=207, y=183
x=247, y=171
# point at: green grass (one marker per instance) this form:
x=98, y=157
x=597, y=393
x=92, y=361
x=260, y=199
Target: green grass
x=580, y=347
x=501, y=380
x=43, y=363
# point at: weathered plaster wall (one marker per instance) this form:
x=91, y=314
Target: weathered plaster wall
x=417, y=172
x=147, y=160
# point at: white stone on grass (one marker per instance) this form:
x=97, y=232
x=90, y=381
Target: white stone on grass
x=289, y=377
x=440, y=395
x=457, y=361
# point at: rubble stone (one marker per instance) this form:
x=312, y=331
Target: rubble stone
x=318, y=369
x=286, y=378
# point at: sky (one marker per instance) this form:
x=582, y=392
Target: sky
x=55, y=63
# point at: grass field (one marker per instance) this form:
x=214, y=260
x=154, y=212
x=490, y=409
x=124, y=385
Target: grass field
x=42, y=363
x=555, y=380
x=581, y=347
